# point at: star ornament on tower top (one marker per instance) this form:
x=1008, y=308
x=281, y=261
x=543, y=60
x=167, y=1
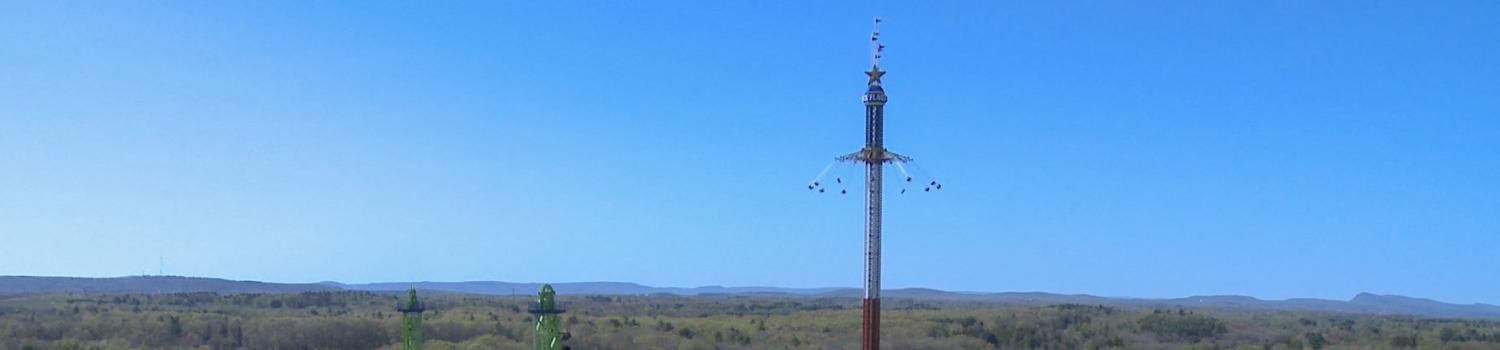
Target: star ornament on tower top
x=875, y=74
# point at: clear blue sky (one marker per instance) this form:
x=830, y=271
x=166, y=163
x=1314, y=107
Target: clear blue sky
x=1151, y=149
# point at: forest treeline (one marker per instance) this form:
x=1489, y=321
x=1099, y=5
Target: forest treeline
x=363, y=320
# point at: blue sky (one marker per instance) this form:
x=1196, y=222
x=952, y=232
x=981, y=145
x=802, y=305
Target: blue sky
x=1151, y=149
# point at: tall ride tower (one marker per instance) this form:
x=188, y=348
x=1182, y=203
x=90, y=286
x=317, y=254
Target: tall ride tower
x=411, y=321
x=873, y=156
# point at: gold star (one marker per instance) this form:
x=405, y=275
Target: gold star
x=875, y=74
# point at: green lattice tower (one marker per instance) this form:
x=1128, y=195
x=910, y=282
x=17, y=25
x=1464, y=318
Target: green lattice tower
x=549, y=334
x=411, y=321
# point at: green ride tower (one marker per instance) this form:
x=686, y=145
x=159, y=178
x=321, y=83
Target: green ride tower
x=411, y=321
x=549, y=335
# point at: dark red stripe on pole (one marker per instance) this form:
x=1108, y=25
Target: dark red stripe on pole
x=871, y=328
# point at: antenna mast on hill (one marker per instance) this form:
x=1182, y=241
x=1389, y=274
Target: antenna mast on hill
x=874, y=156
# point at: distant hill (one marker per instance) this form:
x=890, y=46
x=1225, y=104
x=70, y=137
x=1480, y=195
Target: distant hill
x=574, y=288
x=1397, y=304
x=147, y=284
x=1362, y=303
x=505, y=288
